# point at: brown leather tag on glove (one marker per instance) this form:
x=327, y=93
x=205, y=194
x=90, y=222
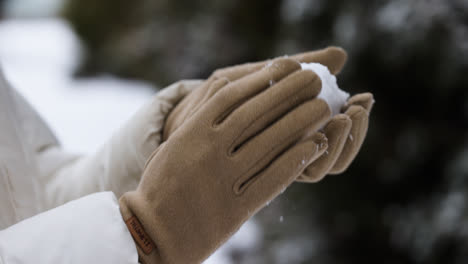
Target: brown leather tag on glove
x=139, y=235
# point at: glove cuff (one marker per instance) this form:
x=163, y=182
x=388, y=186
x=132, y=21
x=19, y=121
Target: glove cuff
x=147, y=250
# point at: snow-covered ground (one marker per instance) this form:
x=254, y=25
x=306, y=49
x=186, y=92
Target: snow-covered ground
x=38, y=57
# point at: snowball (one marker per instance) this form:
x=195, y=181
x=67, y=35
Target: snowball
x=331, y=93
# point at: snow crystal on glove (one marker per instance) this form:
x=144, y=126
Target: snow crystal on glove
x=331, y=93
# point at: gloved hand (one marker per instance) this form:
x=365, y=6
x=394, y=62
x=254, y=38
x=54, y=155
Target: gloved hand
x=332, y=57
x=345, y=132
x=241, y=149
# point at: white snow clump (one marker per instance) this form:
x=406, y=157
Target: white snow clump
x=331, y=93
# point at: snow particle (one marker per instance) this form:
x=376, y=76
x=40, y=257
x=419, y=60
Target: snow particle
x=268, y=64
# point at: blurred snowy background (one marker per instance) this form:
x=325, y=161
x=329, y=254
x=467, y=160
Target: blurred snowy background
x=88, y=65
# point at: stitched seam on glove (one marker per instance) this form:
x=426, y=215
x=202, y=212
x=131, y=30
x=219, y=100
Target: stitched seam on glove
x=235, y=143
x=244, y=182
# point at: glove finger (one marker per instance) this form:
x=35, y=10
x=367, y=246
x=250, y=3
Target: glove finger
x=236, y=94
x=337, y=132
x=273, y=103
x=261, y=149
x=360, y=122
x=332, y=57
x=279, y=174
x=183, y=108
x=366, y=100
x=213, y=89
x=197, y=99
x=236, y=72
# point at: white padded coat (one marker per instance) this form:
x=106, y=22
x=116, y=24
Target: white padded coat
x=60, y=208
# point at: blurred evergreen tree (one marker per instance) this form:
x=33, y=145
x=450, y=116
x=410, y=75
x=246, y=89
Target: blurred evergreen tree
x=2, y=3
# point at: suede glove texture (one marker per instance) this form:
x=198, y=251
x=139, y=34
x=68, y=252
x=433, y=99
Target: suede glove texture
x=242, y=148
x=345, y=132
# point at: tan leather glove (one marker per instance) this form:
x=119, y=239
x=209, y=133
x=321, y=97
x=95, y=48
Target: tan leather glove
x=345, y=132
x=243, y=147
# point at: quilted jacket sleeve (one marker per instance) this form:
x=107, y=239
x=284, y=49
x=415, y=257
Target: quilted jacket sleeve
x=87, y=230
x=118, y=164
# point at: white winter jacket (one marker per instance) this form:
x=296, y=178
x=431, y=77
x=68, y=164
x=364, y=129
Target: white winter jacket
x=38, y=223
